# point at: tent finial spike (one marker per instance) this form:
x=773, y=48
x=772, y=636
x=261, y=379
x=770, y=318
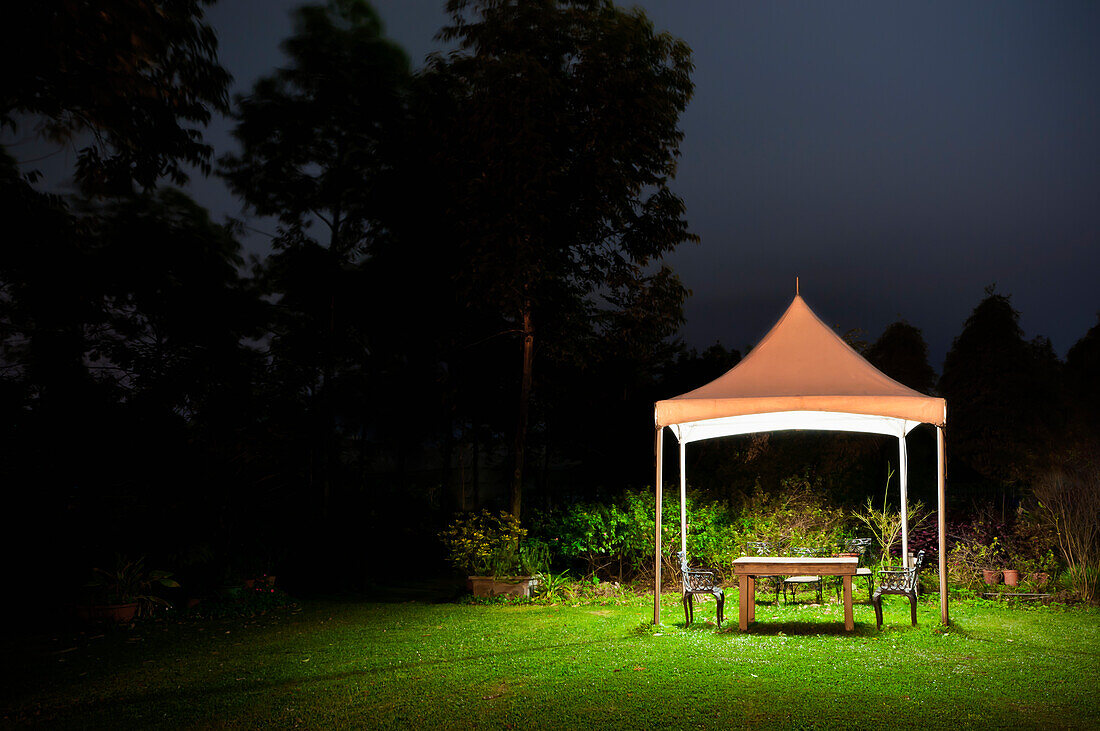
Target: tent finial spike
x=796, y=285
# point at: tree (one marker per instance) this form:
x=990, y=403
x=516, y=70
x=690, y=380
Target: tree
x=1002, y=391
x=178, y=308
x=317, y=140
x=1083, y=371
x=314, y=134
x=901, y=353
x=140, y=77
x=557, y=153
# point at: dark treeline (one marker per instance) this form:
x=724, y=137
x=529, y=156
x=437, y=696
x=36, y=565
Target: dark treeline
x=464, y=306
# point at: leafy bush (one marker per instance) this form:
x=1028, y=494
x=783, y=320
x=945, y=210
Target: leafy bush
x=615, y=540
x=967, y=558
x=592, y=534
x=794, y=515
x=484, y=544
x=710, y=532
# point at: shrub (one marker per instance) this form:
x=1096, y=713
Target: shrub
x=616, y=539
x=484, y=544
x=1068, y=492
x=795, y=515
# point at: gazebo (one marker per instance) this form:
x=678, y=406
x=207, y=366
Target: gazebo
x=802, y=375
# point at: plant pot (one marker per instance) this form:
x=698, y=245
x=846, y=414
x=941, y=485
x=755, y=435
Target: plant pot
x=991, y=577
x=1039, y=578
x=502, y=585
x=108, y=612
x=1012, y=577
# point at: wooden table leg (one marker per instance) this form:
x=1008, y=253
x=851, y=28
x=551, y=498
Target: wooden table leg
x=752, y=598
x=849, y=620
x=743, y=602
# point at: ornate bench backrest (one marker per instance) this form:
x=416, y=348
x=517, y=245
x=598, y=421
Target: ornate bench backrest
x=695, y=580
x=901, y=580
x=762, y=548
x=858, y=545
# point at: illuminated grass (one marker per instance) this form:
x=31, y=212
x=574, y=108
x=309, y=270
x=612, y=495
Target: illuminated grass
x=452, y=665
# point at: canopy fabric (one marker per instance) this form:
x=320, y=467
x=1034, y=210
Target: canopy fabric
x=802, y=366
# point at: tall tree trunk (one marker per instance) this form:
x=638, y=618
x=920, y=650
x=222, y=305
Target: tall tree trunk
x=524, y=404
x=477, y=460
x=328, y=419
x=446, y=477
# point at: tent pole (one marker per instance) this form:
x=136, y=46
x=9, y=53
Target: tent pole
x=657, y=549
x=683, y=502
x=941, y=497
x=903, y=469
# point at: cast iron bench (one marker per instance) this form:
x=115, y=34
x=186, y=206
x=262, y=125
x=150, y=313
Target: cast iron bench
x=699, y=582
x=898, y=580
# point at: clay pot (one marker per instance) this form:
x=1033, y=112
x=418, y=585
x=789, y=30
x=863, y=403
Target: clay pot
x=1039, y=578
x=991, y=577
x=108, y=612
x=496, y=585
x=1012, y=577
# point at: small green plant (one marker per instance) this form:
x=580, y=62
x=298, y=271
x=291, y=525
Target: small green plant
x=885, y=524
x=130, y=582
x=555, y=587
x=968, y=558
x=1043, y=563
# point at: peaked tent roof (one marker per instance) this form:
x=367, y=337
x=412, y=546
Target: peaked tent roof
x=804, y=376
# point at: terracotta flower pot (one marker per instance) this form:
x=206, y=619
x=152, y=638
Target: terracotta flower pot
x=108, y=612
x=1039, y=578
x=991, y=577
x=1012, y=577
x=496, y=585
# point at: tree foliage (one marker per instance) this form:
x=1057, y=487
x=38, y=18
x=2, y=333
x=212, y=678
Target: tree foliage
x=132, y=82
x=901, y=353
x=315, y=136
x=317, y=143
x=557, y=181
x=1001, y=391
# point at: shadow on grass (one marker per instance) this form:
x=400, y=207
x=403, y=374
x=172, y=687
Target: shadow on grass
x=789, y=629
x=84, y=711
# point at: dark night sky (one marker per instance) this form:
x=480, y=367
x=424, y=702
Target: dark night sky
x=897, y=157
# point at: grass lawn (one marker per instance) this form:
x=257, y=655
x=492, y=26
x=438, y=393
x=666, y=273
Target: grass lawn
x=423, y=665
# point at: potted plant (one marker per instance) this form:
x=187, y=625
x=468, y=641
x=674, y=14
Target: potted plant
x=126, y=591
x=1038, y=570
x=989, y=557
x=490, y=549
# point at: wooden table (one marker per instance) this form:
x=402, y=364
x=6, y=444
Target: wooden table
x=747, y=568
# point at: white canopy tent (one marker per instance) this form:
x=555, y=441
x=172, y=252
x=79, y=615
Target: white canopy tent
x=801, y=376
